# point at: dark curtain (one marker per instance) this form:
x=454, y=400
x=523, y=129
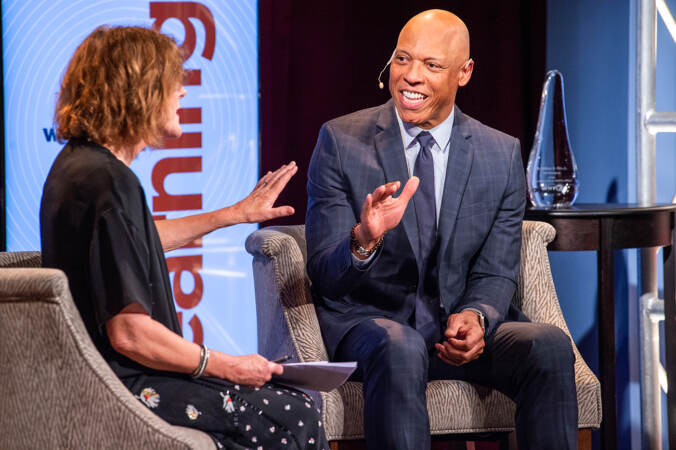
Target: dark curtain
x=320, y=60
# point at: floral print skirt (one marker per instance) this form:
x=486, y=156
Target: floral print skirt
x=235, y=416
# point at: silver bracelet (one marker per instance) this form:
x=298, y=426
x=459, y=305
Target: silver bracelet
x=204, y=359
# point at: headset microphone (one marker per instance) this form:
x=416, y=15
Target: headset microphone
x=380, y=83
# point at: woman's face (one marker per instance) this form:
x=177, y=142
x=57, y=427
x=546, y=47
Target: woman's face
x=171, y=127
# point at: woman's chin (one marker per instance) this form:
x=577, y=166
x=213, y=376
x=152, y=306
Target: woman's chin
x=173, y=133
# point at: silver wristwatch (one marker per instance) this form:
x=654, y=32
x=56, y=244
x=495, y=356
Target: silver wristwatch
x=482, y=320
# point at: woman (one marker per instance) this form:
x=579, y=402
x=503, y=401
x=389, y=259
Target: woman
x=120, y=93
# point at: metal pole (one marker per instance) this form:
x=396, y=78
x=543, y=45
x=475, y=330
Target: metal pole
x=646, y=59
x=650, y=387
x=661, y=122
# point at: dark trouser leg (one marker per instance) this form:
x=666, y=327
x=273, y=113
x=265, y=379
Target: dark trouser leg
x=532, y=363
x=393, y=365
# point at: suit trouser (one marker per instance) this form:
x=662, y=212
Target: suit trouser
x=532, y=363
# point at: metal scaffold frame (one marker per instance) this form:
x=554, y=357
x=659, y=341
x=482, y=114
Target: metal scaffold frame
x=648, y=123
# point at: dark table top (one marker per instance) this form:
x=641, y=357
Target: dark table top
x=599, y=210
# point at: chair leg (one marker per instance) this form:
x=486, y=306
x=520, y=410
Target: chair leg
x=348, y=445
x=584, y=441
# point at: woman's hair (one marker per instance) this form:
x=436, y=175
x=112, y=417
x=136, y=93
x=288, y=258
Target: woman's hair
x=116, y=87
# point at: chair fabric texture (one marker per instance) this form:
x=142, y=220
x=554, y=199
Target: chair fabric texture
x=287, y=324
x=57, y=391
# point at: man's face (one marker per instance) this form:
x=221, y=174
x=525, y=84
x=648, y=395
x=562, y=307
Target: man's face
x=428, y=66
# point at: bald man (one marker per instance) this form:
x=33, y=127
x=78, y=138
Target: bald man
x=414, y=231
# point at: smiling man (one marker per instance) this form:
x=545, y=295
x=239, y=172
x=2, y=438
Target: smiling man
x=419, y=286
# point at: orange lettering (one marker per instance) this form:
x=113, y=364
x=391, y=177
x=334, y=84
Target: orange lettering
x=169, y=202
x=191, y=264
x=183, y=11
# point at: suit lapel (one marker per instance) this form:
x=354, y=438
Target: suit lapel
x=390, y=151
x=457, y=173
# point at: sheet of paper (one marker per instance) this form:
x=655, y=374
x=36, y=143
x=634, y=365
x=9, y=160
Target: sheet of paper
x=316, y=376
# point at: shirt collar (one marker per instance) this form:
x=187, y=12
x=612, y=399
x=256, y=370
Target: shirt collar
x=441, y=133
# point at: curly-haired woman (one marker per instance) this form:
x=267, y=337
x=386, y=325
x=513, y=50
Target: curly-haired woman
x=120, y=94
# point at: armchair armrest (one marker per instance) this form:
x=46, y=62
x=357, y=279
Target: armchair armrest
x=536, y=297
x=287, y=322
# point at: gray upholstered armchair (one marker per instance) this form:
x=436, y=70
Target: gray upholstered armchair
x=56, y=390
x=287, y=324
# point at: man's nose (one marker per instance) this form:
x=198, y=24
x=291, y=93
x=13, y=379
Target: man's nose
x=414, y=74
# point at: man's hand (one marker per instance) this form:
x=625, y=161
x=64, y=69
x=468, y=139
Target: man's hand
x=464, y=339
x=258, y=206
x=251, y=370
x=381, y=212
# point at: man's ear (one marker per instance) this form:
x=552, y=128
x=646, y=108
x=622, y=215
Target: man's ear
x=465, y=72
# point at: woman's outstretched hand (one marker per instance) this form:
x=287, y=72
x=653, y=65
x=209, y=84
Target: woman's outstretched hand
x=259, y=205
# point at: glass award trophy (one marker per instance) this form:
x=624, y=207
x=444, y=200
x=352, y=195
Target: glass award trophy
x=552, y=171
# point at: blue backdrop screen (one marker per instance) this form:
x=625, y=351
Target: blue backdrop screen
x=214, y=163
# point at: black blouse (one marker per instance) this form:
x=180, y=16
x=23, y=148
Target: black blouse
x=96, y=227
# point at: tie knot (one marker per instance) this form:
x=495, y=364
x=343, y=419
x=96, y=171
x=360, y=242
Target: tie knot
x=425, y=139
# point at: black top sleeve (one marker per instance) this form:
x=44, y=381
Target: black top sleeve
x=119, y=262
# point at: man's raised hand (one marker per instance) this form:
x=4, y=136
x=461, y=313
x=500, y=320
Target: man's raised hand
x=381, y=212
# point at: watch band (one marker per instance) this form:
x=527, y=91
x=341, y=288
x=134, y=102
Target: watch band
x=482, y=321
x=358, y=249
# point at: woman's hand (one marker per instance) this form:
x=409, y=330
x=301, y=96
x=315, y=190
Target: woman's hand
x=258, y=205
x=251, y=370
x=133, y=333
x=255, y=207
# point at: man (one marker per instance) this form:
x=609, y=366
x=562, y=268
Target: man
x=419, y=290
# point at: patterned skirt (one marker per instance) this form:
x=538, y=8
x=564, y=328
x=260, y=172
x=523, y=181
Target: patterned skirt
x=235, y=416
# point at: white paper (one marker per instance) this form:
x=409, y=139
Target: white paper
x=317, y=375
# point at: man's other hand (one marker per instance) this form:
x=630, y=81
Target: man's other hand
x=381, y=212
x=464, y=339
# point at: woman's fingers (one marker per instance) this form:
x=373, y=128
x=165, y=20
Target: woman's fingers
x=281, y=211
x=264, y=179
x=276, y=369
x=282, y=171
x=280, y=179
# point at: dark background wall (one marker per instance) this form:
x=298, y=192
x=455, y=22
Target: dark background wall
x=320, y=60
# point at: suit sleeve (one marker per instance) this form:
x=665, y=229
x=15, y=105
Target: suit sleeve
x=331, y=214
x=492, y=275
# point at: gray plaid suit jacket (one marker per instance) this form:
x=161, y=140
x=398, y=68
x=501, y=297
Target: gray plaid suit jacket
x=479, y=223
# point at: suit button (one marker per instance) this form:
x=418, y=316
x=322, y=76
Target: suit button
x=413, y=287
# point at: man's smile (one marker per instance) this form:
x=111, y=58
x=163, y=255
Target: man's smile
x=411, y=99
